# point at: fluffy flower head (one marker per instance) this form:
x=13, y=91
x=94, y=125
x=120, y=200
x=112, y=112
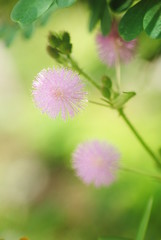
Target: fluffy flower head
x=59, y=91
x=96, y=162
x=112, y=47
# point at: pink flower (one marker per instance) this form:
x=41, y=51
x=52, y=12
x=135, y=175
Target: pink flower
x=58, y=91
x=112, y=46
x=96, y=162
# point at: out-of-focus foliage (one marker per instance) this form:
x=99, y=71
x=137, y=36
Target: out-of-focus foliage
x=26, y=12
x=120, y=6
x=143, y=226
x=131, y=25
x=65, y=3
x=26, y=16
x=145, y=220
x=100, y=12
x=152, y=20
x=143, y=15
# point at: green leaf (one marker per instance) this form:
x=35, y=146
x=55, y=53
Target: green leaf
x=9, y=34
x=120, y=6
x=144, y=222
x=28, y=31
x=106, y=21
x=96, y=10
x=65, y=3
x=27, y=11
x=131, y=24
x=152, y=20
x=45, y=17
x=2, y=30
x=123, y=98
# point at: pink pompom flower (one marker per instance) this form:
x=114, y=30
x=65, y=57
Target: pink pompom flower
x=112, y=47
x=59, y=91
x=96, y=162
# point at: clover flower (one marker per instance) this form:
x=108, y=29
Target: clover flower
x=112, y=47
x=96, y=162
x=59, y=91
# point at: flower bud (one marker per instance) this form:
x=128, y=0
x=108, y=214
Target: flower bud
x=106, y=82
x=54, y=40
x=106, y=92
x=66, y=37
x=53, y=52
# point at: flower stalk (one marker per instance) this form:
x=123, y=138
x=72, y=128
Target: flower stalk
x=77, y=68
x=140, y=172
x=140, y=139
x=135, y=132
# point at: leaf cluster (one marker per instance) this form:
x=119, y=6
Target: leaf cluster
x=135, y=17
x=145, y=15
x=114, y=99
x=27, y=14
x=59, y=47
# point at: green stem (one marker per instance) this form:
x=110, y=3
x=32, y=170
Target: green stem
x=140, y=139
x=100, y=104
x=75, y=65
x=118, y=71
x=121, y=112
x=140, y=172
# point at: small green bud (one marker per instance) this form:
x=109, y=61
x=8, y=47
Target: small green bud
x=53, y=52
x=106, y=92
x=66, y=48
x=54, y=40
x=66, y=37
x=106, y=82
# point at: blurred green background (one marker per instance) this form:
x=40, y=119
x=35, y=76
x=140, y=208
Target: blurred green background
x=40, y=196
